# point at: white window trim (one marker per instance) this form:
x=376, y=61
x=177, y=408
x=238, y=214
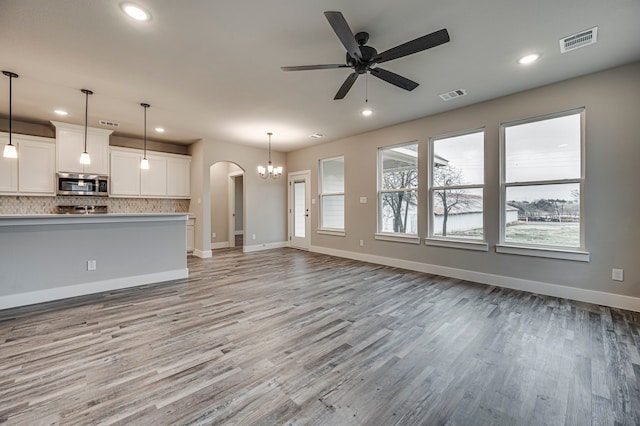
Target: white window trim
x=452, y=242
x=476, y=245
x=550, y=253
x=331, y=231
x=395, y=236
x=321, y=195
x=555, y=252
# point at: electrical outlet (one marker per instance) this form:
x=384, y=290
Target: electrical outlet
x=617, y=274
x=363, y=200
x=253, y=236
x=91, y=265
x=361, y=243
x=213, y=235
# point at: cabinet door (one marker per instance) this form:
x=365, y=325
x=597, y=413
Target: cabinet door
x=125, y=173
x=69, y=146
x=153, y=181
x=8, y=168
x=36, y=167
x=178, y=177
x=98, y=149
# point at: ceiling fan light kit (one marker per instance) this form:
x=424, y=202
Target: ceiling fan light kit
x=364, y=59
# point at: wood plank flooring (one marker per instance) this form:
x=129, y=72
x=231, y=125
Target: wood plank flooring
x=289, y=337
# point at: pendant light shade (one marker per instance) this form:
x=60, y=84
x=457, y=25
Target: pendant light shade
x=85, y=158
x=270, y=171
x=144, y=163
x=10, y=150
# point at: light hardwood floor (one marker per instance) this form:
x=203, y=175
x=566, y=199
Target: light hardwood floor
x=289, y=337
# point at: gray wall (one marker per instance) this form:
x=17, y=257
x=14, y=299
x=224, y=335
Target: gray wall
x=265, y=208
x=38, y=257
x=219, y=203
x=612, y=200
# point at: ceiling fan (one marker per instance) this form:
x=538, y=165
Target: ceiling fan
x=364, y=59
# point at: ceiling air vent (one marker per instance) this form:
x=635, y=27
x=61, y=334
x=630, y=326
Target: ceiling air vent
x=578, y=40
x=109, y=123
x=453, y=94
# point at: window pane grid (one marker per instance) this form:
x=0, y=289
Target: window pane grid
x=456, y=193
x=543, y=182
x=398, y=186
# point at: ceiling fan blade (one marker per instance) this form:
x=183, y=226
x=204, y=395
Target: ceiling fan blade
x=393, y=78
x=314, y=67
x=414, y=46
x=344, y=33
x=344, y=89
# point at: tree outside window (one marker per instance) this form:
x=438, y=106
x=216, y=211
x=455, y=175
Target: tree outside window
x=398, y=198
x=457, y=186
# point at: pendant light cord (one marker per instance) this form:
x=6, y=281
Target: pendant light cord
x=145, y=106
x=86, y=115
x=11, y=76
x=269, y=146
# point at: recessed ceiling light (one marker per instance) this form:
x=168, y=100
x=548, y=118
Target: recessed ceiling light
x=528, y=59
x=317, y=135
x=136, y=12
x=367, y=112
x=60, y=112
x=159, y=129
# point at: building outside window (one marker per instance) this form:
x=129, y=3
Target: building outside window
x=332, y=193
x=456, y=192
x=543, y=179
x=398, y=189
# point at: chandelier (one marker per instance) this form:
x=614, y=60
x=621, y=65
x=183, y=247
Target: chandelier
x=270, y=171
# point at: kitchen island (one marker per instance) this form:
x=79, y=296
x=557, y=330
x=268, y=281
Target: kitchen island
x=50, y=257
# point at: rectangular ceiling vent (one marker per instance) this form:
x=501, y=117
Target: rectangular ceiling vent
x=578, y=40
x=453, y=94
x=109, y=123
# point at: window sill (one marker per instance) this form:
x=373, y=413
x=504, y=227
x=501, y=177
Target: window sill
x=336, y=232
x=566, y=254
x=398, y=238
x=465, y=245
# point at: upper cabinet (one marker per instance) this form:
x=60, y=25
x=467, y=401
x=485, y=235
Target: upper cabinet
x=70, y=145
x=168, y=176
x=33, y=172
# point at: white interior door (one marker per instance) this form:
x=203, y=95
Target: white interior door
x=299, y=218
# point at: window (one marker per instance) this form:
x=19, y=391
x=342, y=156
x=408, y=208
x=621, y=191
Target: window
x=332, y=194
x=456, y=192
x=542, y=185
x=398, y=190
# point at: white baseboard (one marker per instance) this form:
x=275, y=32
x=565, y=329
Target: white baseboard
x=266, y=246
x=556, y=290
x=224, y=244
x=202, y=254
x=47, y=295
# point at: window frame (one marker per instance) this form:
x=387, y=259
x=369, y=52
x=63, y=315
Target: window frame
x=413, y=238
x=321, y=228
x=543, y=250
x=453, y=242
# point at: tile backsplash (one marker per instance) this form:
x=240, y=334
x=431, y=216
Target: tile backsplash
x=12, y=204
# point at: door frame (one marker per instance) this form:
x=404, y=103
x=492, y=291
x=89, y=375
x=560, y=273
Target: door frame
x=231, y=192
x=291, y=178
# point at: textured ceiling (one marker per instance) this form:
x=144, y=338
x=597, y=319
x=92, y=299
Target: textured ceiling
x=211, y=69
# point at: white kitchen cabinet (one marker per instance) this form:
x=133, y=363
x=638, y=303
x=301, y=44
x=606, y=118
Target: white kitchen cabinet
x=125, y=173
x=33, y=172
x=36, y=167
x=70, y=145
x=168, y=176
x=153, y=181
x=179, y=177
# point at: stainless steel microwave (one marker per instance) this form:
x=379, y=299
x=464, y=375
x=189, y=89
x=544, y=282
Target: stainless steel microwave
x=82, y=184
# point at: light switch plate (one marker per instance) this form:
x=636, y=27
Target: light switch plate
x=617, y=274
x=363, y=200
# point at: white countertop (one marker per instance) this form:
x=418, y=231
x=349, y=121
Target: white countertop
x=65, y=219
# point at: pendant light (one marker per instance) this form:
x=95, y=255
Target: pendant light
x=270, y=171
x=84, y=158
x=144, y=164
x=10, y=149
